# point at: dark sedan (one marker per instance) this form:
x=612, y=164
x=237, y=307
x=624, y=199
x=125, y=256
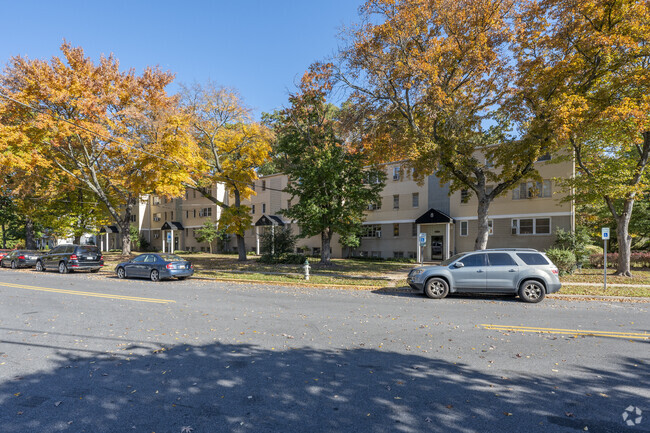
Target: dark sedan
x=155, y=267
x=20, y=259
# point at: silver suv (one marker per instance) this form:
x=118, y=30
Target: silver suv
x=523, y=271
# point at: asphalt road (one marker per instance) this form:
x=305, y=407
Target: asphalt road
x=90, y=353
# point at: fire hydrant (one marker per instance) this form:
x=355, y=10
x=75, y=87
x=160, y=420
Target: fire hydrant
x=306, y=267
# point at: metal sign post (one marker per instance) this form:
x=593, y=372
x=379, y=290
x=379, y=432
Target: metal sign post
x=605, y=234
x=423, y=243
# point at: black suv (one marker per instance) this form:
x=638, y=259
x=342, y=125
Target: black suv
x=68, y=258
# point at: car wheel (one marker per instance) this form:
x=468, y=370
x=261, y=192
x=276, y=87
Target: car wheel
x=39, y=266
x=63, y=269
x=13, y=264
x=436, y=288
x=532, y=291
x=155, y=275
x=121, y=273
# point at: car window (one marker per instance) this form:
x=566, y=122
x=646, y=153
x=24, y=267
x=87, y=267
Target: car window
x=474, y=260
x=140, y=259
x=87, y=249
x=533, y=258
x=150, y=259
x=501, y=259
x=69, y=249
x=452, y=259
x=57, y=250
x=171, y=258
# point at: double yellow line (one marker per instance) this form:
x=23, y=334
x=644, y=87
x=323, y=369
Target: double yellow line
x=610, y=334
x=92, y=294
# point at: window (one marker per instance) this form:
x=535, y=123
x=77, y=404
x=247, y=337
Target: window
x=533, y=258
x=205, y=212
x=156, y=200
x=263, y=207
x=396, y=201
x=194, y=213
x=398, y=254
x=396, y=229
x=375, y=206
x=489, y=163
x=531, y=226
x=532, y=190
x=474, y=260
x=501, y=259
x=193, y=193
x=187, y=214
x=545, y=157
x=464, y=228
x=156, y=235
x=416, y=199
x=133, y=218
x=172, y=216
x=490, y=227
x=253, y=209
x=156, y=217
x=396, y=171
x=414, y=229
x=263, y=187
x=372, y=231
x=464, y=195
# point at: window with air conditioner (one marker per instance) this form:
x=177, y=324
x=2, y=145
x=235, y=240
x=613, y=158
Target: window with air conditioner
x=396, y=173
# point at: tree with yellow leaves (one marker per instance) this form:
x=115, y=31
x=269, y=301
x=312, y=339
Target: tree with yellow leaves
x=595, y=56
x=116, y=133
x=231, y=147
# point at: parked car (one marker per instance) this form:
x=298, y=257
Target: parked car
x=20, y=259
x=522, y=271
x=68, y=258
x=155, y=267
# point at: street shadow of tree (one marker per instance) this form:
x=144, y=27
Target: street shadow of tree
x=246, y=388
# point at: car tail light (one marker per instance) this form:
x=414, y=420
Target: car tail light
x=191, y=266
x=169, y=266
x=21, y=257
x=555, y=271
x=73, y=257
x=101, y=257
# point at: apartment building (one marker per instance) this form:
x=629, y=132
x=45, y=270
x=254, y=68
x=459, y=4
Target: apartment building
x=526, y=216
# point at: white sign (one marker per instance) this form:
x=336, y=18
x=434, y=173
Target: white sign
x=169, y=236
x=605, y=232
x=423, y=239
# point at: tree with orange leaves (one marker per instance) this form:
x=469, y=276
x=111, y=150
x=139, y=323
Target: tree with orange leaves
x=116, y=133
x=431, y=81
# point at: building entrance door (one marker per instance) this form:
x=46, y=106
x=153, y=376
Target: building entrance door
x=437, y=242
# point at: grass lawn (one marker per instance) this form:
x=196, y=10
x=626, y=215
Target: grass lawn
x=366, y=274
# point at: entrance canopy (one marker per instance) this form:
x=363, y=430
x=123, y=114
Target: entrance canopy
x=172, y=225
x=269, y=220
x=109, y=229
x=433, y=216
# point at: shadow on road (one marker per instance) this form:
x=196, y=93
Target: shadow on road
x=245, y=388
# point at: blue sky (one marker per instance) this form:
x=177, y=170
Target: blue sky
x=259, y=47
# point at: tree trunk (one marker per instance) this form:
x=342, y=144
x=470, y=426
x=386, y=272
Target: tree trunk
x=623, y=237
x=125, y=228
x=77, y=240
x=241, y=248
x=483, y=228
x=241, y=244
x=325, y=256
x=30, y=243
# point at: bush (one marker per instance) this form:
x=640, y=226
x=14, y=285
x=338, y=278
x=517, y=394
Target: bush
x=574, y=241
x=596, y=260
x=565, y=260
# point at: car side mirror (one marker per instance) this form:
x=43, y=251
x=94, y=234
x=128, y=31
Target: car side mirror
x=459, y=265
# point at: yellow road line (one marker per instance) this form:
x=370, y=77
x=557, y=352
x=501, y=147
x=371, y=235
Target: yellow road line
x=612, y=334
x=92, y=294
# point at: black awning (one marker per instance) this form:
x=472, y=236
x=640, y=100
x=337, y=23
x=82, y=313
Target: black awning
x=269, y=220
x=109, y=229
x=172, y=225
x=433, y=216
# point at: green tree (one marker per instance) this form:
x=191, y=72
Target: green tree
x=208, y=233
x=329, y=180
